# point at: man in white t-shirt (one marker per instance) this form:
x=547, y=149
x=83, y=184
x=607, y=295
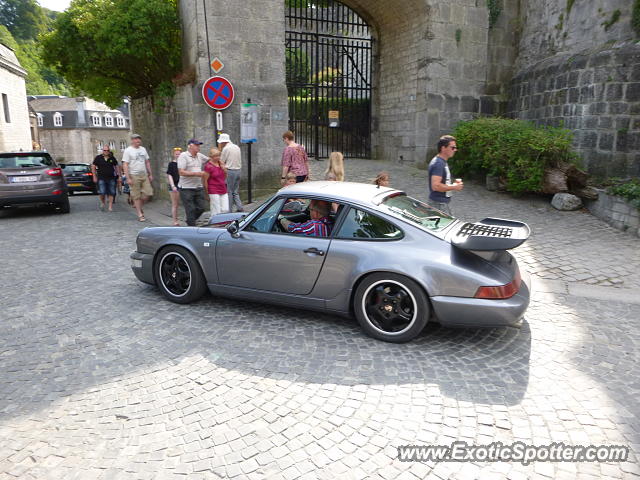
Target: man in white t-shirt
x=190, y=167
x=137, y=169
x=232, y=158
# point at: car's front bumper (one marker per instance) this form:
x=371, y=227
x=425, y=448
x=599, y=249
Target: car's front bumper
x=142, y=266
x=478, y=312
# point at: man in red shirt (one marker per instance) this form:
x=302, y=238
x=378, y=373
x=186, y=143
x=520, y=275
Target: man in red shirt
x=319, y=226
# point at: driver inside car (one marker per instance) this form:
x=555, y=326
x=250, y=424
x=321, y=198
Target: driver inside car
x=319, y=225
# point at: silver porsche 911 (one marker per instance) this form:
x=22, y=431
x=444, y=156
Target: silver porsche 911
x=390, y=260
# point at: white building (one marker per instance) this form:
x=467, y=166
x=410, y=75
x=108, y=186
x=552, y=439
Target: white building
x=74, y=130
x=15, y=127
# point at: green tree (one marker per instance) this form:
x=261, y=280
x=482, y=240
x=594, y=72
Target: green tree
x=114, y=48
x=25, y=19
x=40, y=80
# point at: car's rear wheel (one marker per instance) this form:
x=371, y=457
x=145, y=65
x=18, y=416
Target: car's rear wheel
x=179, y=276
x=391, y=307
x=64, y=207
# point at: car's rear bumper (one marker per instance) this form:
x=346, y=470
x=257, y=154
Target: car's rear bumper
x=478, y=312
x=142, y=266
x=32, y=199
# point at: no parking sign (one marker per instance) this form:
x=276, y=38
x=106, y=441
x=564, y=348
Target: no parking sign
x=218, y=93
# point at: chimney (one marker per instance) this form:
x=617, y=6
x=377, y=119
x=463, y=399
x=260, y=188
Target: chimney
x=80, y=108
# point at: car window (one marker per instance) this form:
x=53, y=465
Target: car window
x=265, y=220
x=416, y=212
x=364, y=225
x=24, y=161
x=76, y=168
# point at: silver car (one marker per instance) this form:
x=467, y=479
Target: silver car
x=390, y=260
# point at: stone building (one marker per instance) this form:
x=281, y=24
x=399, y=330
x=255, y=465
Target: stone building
x=434, y=63
x=74, y=130
x=15, y=132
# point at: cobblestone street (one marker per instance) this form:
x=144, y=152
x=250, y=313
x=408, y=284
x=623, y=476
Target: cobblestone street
x=101, y=378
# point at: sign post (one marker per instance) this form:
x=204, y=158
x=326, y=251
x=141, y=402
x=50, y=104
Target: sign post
x=249, y=134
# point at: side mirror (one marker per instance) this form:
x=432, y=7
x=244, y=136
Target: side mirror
x=233, y=228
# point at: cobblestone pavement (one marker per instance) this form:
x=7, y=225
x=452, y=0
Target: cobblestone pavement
x=100, y=378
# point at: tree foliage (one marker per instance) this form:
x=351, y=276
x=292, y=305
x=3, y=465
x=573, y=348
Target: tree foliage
x=114, y=48
x=25, y=19
x=41, y=80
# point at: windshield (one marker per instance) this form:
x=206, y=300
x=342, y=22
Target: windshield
x=25, y=161
x=417, y=212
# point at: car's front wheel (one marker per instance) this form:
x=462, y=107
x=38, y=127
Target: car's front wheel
x=178, y=275
x=391, y=307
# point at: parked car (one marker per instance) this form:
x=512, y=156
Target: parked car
x=389, y=259
x=79, y=178
x=32, y=178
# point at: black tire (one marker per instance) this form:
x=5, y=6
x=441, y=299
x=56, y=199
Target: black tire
x=178, y=275
x=381, y=318
x=64, y=207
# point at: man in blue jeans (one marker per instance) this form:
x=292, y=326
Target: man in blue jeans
x=440, y=184
x=106, y=173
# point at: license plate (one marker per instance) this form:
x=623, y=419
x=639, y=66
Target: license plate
x=74, y=184
x=136, y=263
x=24, y=179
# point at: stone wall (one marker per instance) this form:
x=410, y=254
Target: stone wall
x=616, y=211
x=254, y=63
x=578, y=70
x=597, y=95
x=15, y=134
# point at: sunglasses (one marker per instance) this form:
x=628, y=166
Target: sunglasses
x=453, y=148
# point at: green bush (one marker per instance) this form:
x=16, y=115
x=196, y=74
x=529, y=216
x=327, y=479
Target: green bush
x=515, y=150
x=630, y=191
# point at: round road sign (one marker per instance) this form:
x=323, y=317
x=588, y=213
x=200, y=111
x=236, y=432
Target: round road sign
x=218, y=93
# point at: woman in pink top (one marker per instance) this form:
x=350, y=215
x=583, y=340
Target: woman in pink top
x=216, y=182
x=294, y=160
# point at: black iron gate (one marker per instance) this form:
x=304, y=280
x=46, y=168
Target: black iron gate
x=328, y=67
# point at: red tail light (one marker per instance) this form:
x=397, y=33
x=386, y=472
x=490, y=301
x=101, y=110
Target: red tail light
x=501, y=292
x=88, y=174
x=56, y=192
x=54, y=172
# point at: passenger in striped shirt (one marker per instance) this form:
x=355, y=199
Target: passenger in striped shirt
x=319, y=226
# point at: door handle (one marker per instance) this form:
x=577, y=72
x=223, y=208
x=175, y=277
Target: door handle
x=314, y=251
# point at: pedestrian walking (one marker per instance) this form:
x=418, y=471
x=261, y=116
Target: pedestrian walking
x=173, y=177
x=232, y=159
x=192, y=181
x=216, y=182
x=294, y=159
x=137, y=168
x=440, y=184
x=335, y=167
x=106, y=173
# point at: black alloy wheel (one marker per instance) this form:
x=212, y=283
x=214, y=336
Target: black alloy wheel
x=391, y=307
x=179, y=275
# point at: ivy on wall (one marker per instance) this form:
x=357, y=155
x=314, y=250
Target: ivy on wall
x=495, y=8
x=635, y=17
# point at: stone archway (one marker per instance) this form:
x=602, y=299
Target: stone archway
x=401, y=31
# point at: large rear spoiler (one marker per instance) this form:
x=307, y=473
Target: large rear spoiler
x=490, y=234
